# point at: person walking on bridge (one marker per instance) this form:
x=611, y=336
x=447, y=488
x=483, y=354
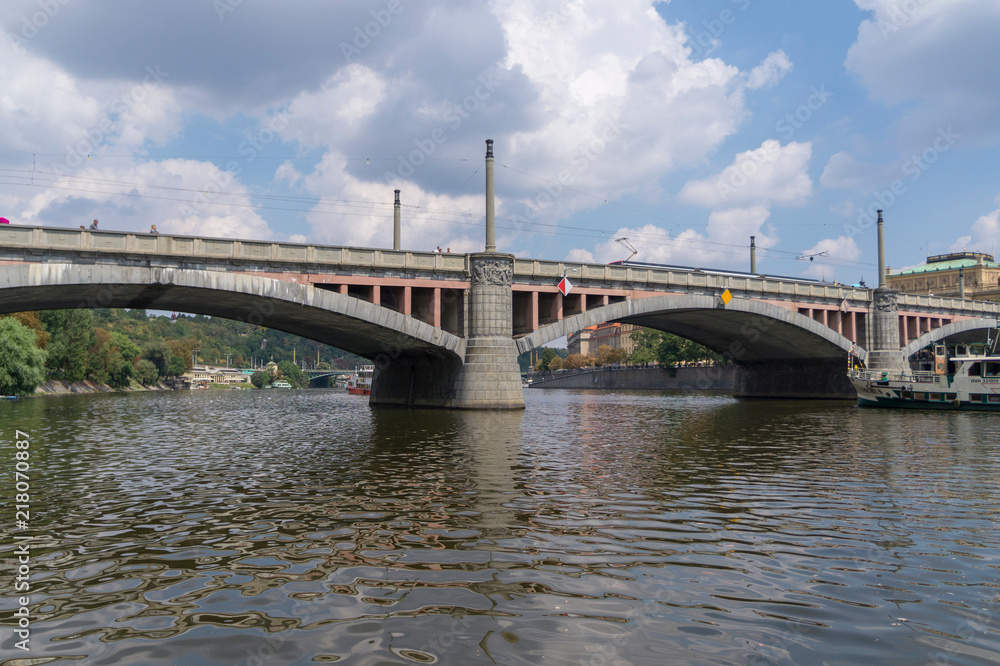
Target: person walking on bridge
x=93, y=225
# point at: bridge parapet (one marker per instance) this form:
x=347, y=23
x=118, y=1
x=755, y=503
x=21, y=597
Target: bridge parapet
x=57, y=241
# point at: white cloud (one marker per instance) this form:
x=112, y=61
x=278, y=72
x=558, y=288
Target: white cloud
x=179, y=196
x=840, y=250
x=336, y=111
x=725, y=243
x=770, y=72
x=938, y=58
x=771, y=174
x=40, y=102
x=580, y=255
x=985, y=235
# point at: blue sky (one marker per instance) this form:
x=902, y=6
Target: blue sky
x=682, y=126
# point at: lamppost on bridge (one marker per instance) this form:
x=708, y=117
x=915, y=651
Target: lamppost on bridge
x=491, y=243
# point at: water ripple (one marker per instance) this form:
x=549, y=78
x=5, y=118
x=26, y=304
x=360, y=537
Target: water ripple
x=638, y=528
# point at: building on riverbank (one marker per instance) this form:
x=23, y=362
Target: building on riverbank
x=592, y=338
x=208, y=374
x=974, y=273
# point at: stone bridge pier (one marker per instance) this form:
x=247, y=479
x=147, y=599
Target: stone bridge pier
x=487, y=377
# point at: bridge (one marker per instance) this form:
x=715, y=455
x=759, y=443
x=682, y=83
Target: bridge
x=445, y=330
x=409, y=311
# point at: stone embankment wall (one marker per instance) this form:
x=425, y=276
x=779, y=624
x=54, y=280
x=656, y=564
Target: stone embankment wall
x=59, y=387
x=714, y=378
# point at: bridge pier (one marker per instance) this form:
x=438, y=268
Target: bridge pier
x=488, y=376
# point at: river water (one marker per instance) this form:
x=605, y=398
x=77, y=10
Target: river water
x=303, y=527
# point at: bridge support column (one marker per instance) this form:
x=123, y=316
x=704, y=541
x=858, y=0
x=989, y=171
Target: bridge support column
x=885, y=353
x=490, y=378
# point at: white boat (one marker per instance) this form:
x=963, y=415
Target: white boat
x=960, y=377
x=360, y=383
x=281, y=383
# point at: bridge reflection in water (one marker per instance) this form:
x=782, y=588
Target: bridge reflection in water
x=302, y=526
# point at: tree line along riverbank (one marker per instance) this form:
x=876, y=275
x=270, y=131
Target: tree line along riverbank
x=114, y=350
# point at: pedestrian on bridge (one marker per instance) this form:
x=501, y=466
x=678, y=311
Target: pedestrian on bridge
x=93, y=225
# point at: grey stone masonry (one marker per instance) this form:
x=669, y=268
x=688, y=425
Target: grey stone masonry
x=885, y=353
x=490, y=378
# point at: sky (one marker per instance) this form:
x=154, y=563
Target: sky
x=684, y=127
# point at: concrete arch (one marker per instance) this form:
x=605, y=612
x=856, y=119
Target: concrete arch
x=748, y=331
x=957, y=328
x=344, y=322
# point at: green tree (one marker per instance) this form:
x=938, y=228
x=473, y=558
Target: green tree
x=292, y=373
x=22, y=364
x=641, y=356
x=119, y=355
x=146, y=372
x=159, y=353
x=557, y=363
x=73, y=335
x=670, y=350
x=260, y=379
x=176, y=367
x=33, y=320
x=543, y=363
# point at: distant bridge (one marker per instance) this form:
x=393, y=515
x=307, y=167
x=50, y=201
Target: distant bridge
x=440, y=326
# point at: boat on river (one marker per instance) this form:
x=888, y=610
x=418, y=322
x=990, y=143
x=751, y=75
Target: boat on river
x=963, y=377
x=360, y=383
x=281, y=384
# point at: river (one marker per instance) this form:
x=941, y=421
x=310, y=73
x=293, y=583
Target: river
x=303, y=527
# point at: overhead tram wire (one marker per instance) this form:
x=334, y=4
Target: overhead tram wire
x=461, y=217
x=707, y=245
x=712, y=246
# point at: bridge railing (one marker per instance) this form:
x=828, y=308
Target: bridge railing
x=61, y=239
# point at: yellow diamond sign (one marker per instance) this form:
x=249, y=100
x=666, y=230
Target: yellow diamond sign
x=726, y=297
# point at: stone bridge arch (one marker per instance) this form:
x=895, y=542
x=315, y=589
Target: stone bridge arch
x=386, y=337
x=782, y=353
x=967, y=330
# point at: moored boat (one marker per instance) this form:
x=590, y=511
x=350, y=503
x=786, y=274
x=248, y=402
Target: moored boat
x=360, y=383
x=961, y=377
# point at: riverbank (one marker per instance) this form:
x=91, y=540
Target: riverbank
x=712, y=378
x=61, y=387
